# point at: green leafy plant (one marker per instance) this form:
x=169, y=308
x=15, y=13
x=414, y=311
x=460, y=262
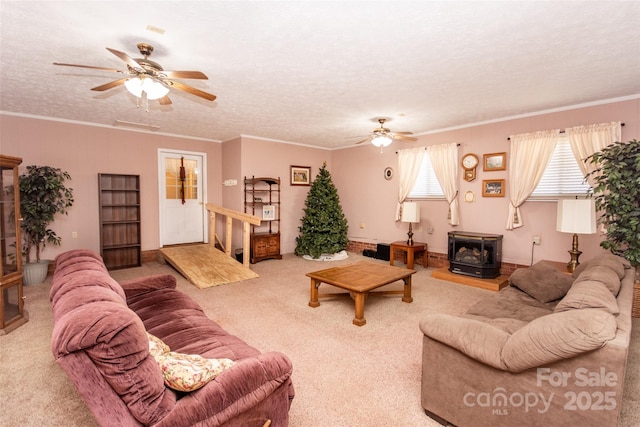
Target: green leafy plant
x=617, y=195
x=43, y=194
x=324, y=226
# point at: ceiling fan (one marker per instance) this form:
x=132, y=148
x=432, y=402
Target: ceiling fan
x=146, y=79
x=382, y=137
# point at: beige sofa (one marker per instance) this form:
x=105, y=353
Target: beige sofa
x=550, y=349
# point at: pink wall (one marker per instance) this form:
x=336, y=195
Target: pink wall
x=269, y=158
x=85, y=151
x=370, y=200
x=367, y=198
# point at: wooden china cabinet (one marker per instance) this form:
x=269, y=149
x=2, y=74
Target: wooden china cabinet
x=12, y=312
x=262, y=198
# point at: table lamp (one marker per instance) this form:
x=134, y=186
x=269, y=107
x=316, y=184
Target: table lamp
x=577, y=216
x=410, y=214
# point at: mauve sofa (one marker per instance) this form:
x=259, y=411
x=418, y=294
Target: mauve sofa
x=100, y=340
x=548, y=350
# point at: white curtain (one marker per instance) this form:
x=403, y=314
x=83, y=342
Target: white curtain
x=444, y=159
x=586, y=140
x=409, y=163
x=529, y=156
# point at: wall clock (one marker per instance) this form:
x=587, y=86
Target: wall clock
x=469, y=163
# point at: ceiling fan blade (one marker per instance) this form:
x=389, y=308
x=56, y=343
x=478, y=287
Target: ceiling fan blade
x=109, y=85
x=89, y=66
x=404, y=138
x=191, y=90
x=364, y=140
x=127, y=59
x=183, y=75
x=403, y=133
x=165, y=100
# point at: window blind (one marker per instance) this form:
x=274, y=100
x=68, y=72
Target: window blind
x=563, y=176
x=427, y=184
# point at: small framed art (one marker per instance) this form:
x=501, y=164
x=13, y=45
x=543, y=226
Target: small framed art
x=300, y=175
x=469, y=197
x=388, y=173
x=493, y=187
x=494, y=162
x=268, y=212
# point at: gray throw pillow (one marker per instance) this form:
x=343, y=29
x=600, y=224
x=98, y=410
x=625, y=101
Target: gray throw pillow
x=542, y=281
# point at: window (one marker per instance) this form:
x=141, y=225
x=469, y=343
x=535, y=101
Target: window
x=427, y=185
x=563, y=176
x=185, y=187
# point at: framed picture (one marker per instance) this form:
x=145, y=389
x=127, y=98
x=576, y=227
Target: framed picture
x=494, y=162
x=388, y=173
x=469, y=197
x=493, y=187
x=268, y=212
x=300, y=175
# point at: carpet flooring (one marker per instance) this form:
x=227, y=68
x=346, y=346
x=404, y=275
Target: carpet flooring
x=344, y=375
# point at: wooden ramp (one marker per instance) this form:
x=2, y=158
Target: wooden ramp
x=490, y=284
x=205, y=266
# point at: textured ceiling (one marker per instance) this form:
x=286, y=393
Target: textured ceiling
x=318, y=72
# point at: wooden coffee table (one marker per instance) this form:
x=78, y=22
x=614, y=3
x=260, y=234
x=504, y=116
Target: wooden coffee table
x=359, y=279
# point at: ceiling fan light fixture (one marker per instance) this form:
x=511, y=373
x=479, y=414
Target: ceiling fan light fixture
x=152, y=88
x=134, y=86
x=381, y=140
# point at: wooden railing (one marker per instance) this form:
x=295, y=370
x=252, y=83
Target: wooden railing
x=230, y=214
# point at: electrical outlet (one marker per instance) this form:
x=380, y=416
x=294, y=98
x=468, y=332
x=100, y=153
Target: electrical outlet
x=536, y=240
x=74, y=234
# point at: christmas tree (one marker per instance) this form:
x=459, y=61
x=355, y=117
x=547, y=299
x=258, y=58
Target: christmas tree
x=324, y=226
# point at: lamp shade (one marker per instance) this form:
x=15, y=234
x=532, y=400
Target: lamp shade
x=410, y=212
x=576, y=216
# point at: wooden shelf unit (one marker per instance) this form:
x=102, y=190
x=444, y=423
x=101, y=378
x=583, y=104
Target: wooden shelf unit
x=260, y=193
x=120, y=241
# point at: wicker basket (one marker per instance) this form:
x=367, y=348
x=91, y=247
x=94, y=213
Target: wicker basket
x=635, y=310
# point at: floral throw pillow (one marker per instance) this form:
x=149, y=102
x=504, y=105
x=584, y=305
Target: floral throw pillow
x=185, y=372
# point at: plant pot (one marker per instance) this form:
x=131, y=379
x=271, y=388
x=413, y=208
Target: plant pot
x=35, y=272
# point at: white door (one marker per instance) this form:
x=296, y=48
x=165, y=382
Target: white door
x=181, y=183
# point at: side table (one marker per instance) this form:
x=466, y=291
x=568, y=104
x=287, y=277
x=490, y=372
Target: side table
x=411, y=251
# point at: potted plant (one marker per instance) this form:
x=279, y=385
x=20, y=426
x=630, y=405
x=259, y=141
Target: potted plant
x=617, y=195
x=43, y=195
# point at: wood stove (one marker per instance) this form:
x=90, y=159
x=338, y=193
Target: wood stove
x=475, y=254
